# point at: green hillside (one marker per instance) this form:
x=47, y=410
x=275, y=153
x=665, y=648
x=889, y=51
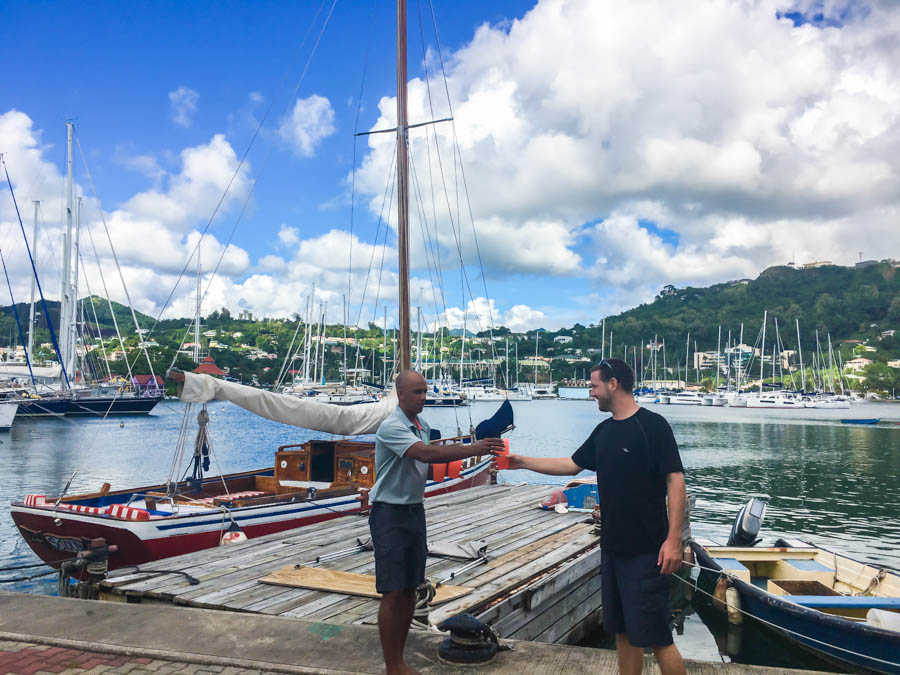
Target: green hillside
x=847, y=303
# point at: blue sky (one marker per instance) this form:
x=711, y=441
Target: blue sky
x=609, y=150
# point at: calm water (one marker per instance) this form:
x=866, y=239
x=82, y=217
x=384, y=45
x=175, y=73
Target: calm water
x=834, y=485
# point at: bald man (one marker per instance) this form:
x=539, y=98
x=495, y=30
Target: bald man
x=397, y=519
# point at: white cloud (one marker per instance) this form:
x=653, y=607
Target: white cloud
x=722, y=116
x=183, y=104
x=288, y=236
x=311, y=120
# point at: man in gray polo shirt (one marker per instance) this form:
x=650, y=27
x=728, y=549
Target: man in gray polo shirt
x=397, y=519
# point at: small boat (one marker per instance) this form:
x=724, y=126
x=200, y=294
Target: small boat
x=310, y=482
x=861, y=420
x=843, y=611
x=8, y=410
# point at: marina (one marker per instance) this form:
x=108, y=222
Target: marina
x=826, y=483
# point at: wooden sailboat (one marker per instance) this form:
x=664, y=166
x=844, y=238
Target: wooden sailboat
x=309, y=482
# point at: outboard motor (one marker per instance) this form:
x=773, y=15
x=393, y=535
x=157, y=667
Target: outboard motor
x=746, y=525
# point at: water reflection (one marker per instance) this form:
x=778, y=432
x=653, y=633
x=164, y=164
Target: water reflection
x=833, y=485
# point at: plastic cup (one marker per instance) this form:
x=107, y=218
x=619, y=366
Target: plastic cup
x=505, y=446
x=454, y=468
x=502, y=461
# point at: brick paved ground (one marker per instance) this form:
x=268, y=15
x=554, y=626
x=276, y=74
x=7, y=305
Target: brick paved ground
x=24, y=658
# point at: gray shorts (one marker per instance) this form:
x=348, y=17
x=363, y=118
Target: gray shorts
x=635, y=598
x=398, y=535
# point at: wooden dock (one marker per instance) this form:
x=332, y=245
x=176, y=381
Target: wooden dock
x=541, y=581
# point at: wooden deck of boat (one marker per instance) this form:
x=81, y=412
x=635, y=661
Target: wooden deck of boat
x=525, y=544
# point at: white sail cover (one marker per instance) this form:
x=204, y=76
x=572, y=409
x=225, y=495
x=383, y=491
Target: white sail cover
x=21, y=370
x=300, y=412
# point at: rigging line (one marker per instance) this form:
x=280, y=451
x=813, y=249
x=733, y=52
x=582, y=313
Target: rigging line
x=456, y=146
x=456, y=236
x=428, y=141
x=388, y=190
x=36, y=278
x=115, y=256
x=16, y=314
x=362, y=85
x=381, y=265
x=109, y=303
x=426, y=234
x=251, y=143
x=94, y=310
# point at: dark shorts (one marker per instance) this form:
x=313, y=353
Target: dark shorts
x=398, y=535
x=635, y=598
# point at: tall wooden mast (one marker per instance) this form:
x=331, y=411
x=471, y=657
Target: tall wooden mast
x=402, y=190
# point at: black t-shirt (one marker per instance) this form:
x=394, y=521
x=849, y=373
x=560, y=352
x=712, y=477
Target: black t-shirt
x=632, y=458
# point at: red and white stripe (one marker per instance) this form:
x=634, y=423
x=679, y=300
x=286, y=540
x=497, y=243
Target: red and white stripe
x=35, y=500
x=80, y=508
x=127, y=512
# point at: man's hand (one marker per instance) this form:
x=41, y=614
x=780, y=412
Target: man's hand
x=517, y=461
x=670, y=556
x=175, y=374
x=487, y=446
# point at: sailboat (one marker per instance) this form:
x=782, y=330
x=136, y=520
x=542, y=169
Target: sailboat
x=309, y=482
x=71, y=396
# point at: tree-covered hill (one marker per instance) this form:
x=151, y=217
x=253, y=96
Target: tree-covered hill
x=845, y=303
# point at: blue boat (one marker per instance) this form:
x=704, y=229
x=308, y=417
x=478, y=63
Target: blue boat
x=843, y=611
x=861, y=420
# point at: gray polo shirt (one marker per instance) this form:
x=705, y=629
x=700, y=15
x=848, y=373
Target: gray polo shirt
x=399, y=479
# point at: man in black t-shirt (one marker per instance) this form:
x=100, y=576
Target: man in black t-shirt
x=638, y=469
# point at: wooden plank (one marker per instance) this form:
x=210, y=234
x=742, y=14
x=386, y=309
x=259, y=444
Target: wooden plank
x=317, y=578
x=539, y=591
x=506, y=584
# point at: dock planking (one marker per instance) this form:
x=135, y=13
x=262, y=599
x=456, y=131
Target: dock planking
x=525, y=545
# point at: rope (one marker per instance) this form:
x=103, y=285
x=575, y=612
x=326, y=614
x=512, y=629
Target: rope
x=115, y=259
x=16, y=314
x=247, y=152
x=425, y=593
x=774, y=625
x=36, y=278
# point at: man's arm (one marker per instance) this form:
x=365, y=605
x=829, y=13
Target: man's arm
x=670, y=553
x=552, y=466
x=438, y=454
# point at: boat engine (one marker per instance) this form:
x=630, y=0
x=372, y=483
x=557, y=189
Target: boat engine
x=746, y=525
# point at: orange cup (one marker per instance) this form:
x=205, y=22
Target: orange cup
x=502, y=461
x=454, y=468
x=439, y=472
x=505, y=446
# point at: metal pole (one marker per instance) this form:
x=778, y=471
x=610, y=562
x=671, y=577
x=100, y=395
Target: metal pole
x=402, y=188
x=64, y=309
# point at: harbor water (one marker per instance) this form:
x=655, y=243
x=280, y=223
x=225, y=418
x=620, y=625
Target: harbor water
x=834, y=485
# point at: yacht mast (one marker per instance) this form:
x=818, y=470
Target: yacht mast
x=65, y=299
x=800, y=352
x=33, y=279
x=762, y=351
x=402, y=189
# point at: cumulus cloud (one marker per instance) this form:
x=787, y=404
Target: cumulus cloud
x=154, y=233
x=183, y=105
x=747, y=130
x=311, y=120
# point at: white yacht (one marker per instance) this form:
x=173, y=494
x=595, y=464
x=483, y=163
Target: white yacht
x=777, y=399
x=685, y=398
x=8, y=410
